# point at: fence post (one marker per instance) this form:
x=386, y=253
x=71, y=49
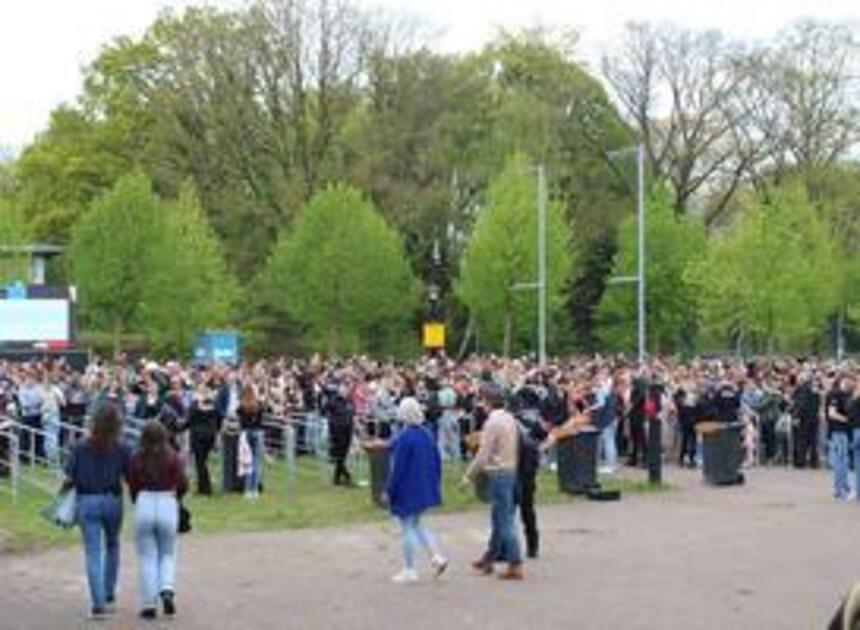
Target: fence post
x=290, y=459
x=13, y=464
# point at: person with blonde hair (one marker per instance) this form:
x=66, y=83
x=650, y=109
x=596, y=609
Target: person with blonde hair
x=414, y=486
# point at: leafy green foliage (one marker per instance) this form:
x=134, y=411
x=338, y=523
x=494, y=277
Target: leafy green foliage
x=671, y=243
x=14, y=230
x=502, y=253
x=141, y=264
x=112, y=254
x=770, y=281
x=341, y=273
x=188, y=288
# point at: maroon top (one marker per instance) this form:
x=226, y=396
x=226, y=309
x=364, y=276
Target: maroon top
x=171, y=476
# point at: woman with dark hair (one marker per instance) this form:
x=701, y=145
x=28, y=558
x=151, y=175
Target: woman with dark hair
x=250, y=414
x=95, y=470
x=157, y=481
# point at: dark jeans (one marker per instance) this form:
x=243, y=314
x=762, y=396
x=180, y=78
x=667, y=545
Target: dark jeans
x=341, y=473
x=100, y=519
x=655, y=451
x=504, y=546
x=637, y=441
x=201, y=447
x=806, y=445
x=688, y=443
x=768, y=441
x=32, y=442
x=526, y=500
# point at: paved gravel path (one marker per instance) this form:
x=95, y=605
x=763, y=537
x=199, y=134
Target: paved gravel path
x=774, y=554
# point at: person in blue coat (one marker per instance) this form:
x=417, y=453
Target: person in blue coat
x=414, y=486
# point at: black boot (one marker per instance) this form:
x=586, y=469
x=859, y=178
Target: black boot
x=168, y=602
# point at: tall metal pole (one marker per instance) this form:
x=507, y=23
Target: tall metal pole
x=640, y=211
x=541, y=248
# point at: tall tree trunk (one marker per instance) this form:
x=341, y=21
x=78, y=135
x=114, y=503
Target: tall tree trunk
x=509, y=324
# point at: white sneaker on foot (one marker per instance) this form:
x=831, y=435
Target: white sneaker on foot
x=406, y=576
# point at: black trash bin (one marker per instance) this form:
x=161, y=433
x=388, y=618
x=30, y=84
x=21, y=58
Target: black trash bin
x=230, y=480
x=577, y=461
x=379, y=461
x=722, y=451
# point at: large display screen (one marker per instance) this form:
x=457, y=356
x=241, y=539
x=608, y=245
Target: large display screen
x=32, y=320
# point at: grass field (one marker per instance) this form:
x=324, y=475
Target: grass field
x=307, y=499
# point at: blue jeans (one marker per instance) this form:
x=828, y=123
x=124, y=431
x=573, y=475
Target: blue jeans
x=51, y=425
x=855, y=447
x=255, y=441
x=413, y=536
x=839, y=464
x=156, y=519
x=100, y=518
x=449, y=435
x=504, y=543
x=610, y=448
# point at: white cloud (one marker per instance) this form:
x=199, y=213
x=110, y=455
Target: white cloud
x=44, y=43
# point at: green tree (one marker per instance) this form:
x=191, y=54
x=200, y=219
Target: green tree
x=188, y=287
x=111, y=255
x=340, y=272
x=14, y=231
x=672, y=241
x=770, y=282
x=502, y=253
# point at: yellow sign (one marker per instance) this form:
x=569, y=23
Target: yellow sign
x=434, y=336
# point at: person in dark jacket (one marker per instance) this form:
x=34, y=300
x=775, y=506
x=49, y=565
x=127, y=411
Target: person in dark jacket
x=338, y=411
x=807, y=411
x=414, y=486
x=532, y=434
x=636, y=418
x=95, y=470
x=204, y=423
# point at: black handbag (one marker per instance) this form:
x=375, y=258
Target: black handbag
x=184, y=519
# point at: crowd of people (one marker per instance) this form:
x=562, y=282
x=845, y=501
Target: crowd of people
x=430, y=410
x=789, y=407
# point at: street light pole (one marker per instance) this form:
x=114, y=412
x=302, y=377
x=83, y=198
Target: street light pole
x=640, y=212
x=541, y=251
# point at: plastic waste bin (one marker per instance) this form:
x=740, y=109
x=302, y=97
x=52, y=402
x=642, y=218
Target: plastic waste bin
x=722, y=451
x=577, y=461
x=379, y=463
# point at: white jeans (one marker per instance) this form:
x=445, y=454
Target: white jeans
x=156, y=519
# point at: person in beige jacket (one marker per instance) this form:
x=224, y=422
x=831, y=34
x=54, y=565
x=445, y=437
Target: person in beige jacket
x=497, y=459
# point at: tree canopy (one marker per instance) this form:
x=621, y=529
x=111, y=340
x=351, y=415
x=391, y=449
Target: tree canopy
x=340, y=272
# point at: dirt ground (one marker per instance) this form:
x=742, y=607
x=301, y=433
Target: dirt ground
x=776, y=553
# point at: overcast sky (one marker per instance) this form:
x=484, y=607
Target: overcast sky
x=44, y=43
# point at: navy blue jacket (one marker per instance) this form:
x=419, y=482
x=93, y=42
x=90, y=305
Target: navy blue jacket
x=96, y=472
x=414, y=483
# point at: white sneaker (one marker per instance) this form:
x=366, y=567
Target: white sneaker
x=406, y=576
x=606, y=470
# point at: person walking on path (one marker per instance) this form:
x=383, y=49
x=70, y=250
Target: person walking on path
x=95, y=470
x=414, y=486
x=157, y=482
x=497, y=458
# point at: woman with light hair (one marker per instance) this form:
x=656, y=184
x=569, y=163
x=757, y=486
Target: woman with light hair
x=414, y=486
